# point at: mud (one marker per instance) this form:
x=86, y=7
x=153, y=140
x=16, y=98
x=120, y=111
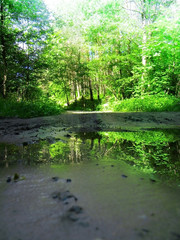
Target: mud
x=31, y=130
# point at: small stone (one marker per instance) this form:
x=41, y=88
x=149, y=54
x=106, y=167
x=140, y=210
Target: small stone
x=8, y=179
x=68, y=180
x=55, y=179
x=124, y=176
x=56, y=195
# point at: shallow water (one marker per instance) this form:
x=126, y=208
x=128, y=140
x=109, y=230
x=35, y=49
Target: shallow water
x=127, y=185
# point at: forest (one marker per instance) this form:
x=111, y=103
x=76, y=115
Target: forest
x=106, y=55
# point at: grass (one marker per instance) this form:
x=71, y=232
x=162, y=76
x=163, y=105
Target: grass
x=152, y=103
x=28, y=109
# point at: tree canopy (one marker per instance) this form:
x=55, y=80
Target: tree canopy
x=96, y=50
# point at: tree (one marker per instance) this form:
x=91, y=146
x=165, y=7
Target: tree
x=24, y=25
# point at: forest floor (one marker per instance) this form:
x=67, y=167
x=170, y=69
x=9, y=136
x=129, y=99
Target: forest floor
x=15, y=130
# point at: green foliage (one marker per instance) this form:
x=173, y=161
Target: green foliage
x=27, y=109
x=152, y=103
x=94, y=50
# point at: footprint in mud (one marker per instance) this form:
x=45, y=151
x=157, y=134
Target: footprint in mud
x=73, y=213
x=64, y=196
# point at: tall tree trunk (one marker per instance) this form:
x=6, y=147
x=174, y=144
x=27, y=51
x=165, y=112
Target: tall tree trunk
x=3, y=51
x=91, y=91
x=144, y=40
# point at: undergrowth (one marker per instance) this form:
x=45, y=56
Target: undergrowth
x=152, y=103
x=28, y=109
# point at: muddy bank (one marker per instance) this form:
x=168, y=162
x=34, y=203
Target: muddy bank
x=116, y=203
x=35, y=129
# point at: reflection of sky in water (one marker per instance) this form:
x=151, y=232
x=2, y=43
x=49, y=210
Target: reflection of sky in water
x=150, y=151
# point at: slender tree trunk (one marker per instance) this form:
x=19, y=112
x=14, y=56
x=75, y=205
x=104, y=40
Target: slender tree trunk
x=3, y=51
x=144, y=40
x=91, y=91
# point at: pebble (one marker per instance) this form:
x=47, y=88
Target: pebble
x=124, y=176
x=8, y=179
x=55, y=179
x=68, y=180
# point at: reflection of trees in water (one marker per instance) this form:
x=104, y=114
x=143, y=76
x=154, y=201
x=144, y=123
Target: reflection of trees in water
x=151, y=151
x=155, y=151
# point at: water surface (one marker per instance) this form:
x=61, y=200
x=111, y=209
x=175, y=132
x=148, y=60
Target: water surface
x=127, y=184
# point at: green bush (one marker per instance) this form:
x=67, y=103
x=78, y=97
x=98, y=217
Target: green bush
x=152, y=103
x=28, y=109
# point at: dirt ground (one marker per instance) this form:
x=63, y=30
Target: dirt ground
x=15, y=130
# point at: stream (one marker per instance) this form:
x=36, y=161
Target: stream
x=92, y=186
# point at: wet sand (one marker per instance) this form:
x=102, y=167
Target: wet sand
x=115, y=203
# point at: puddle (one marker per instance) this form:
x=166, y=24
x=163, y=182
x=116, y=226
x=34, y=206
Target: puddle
x=98, y=186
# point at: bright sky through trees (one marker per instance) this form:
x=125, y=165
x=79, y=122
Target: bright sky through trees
x=55, y=4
